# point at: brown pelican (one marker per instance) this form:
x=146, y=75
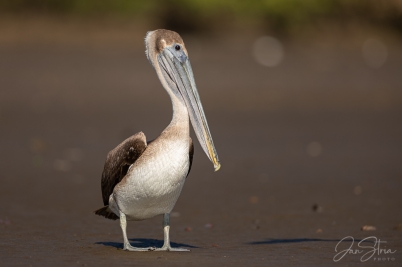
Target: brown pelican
x=143, y=179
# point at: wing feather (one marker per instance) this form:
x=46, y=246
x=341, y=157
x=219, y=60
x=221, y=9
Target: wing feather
x=118, y=162
x=190, y=155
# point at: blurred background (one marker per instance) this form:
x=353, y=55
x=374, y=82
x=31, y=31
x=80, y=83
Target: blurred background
x=303, y=99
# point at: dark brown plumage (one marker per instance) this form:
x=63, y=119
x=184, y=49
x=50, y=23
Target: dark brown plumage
x=107, y=213
x=119, y=160
x=190, y=154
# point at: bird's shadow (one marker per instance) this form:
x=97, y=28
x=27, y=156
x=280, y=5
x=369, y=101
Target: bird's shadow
x=144, y=243
x=271, y=241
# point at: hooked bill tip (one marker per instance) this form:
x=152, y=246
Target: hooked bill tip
x=217, y=166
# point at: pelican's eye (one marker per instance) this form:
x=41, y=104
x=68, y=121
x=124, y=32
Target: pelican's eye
x=177, y=47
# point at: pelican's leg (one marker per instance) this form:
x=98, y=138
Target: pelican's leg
x=127, y=246
x=166, y=241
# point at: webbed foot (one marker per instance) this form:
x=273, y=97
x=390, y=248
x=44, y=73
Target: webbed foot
x=128, y=247
x=169, y=248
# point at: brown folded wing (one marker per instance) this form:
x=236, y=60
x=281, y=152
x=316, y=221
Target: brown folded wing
x=119, y=160
x=190, y=155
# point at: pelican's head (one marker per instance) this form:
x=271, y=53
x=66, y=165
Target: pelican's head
x=167, y=53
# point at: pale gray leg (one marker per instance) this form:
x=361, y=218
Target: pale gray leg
x=127, y=246
x=166, y=241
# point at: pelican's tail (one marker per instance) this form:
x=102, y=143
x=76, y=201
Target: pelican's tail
x=107, y=213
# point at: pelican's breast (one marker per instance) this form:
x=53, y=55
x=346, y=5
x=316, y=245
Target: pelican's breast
x=154, y=182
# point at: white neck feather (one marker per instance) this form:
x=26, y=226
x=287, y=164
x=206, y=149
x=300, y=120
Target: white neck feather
x=180, y=117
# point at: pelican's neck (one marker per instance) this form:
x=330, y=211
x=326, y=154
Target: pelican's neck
x=180, y=120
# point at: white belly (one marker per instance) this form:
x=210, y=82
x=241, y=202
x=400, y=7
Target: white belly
x=154, y=182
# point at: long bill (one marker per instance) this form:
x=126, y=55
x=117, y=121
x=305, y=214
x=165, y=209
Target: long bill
x=179, y=73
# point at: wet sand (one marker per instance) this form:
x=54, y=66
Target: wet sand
x=321, y=128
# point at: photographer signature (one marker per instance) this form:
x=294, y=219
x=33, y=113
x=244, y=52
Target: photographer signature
x=368, y=250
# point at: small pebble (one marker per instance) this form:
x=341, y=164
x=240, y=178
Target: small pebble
x=368, y=228
x=357, y=190
x=175, y=214
x=74, y=154
x=188, y=229
x=314, y=149
x=253, y=200
x=317, y=208
x=6, y=221
x=398, y=227
x=256, y=221
x=62, y=165
x=37, y=145
x=209, y=225
x=214, y=245
x=319, y=231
